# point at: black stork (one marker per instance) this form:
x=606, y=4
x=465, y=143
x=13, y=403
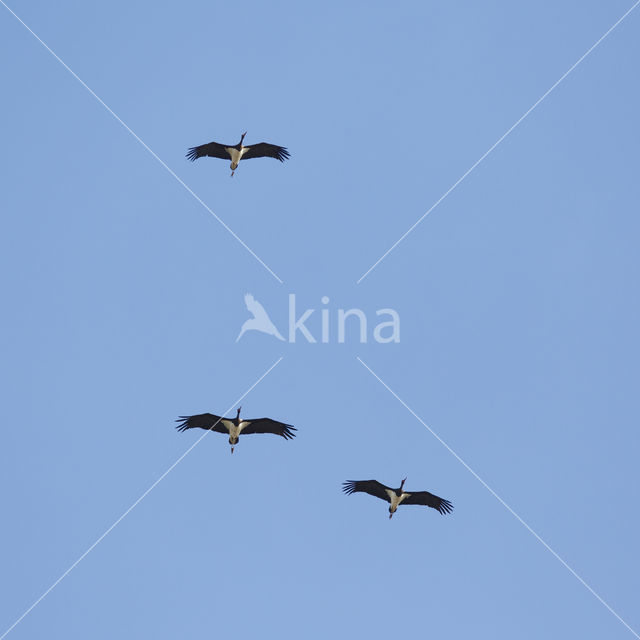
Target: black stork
x=238, y=152
x=397, y=496
x=235, y=426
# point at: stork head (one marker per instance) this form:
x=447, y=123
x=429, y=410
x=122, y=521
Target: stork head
x=238, y=414
x=242, y=137
x=402, y=484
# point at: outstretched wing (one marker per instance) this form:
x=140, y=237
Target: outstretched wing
x=201, y=421
x=265, y=150
x=372, y=487
x=267, y=425
x=429, y=500
x=213, y=150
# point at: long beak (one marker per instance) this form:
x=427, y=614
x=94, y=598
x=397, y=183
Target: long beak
x=232, y=447
x=390, y=516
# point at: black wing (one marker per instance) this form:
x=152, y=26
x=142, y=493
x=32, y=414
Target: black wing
x=372, y=487
x=428, y=499
x=267, y=425
x=265, y=150
x=213, y=150
x=202, y=421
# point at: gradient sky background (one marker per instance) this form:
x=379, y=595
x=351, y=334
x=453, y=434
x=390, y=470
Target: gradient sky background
x=517, y=295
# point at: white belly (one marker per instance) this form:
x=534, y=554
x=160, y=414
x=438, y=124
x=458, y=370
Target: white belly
x=234, y=431
x=236, y=155
x=227, y=424
x=396, y=500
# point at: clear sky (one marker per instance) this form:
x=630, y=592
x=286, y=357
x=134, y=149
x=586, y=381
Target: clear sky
x=517, y=298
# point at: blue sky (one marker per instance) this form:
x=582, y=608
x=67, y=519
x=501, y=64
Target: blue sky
x=124, y=295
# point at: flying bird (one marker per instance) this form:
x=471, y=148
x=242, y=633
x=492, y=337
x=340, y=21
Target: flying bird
x=260, y=321
x=238, y=152
x=397, y=496
x=235, y=426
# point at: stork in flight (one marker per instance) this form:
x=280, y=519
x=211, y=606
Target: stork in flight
x=238, y=152
x=235, y=426
x=396, y=497
x=260, y=321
